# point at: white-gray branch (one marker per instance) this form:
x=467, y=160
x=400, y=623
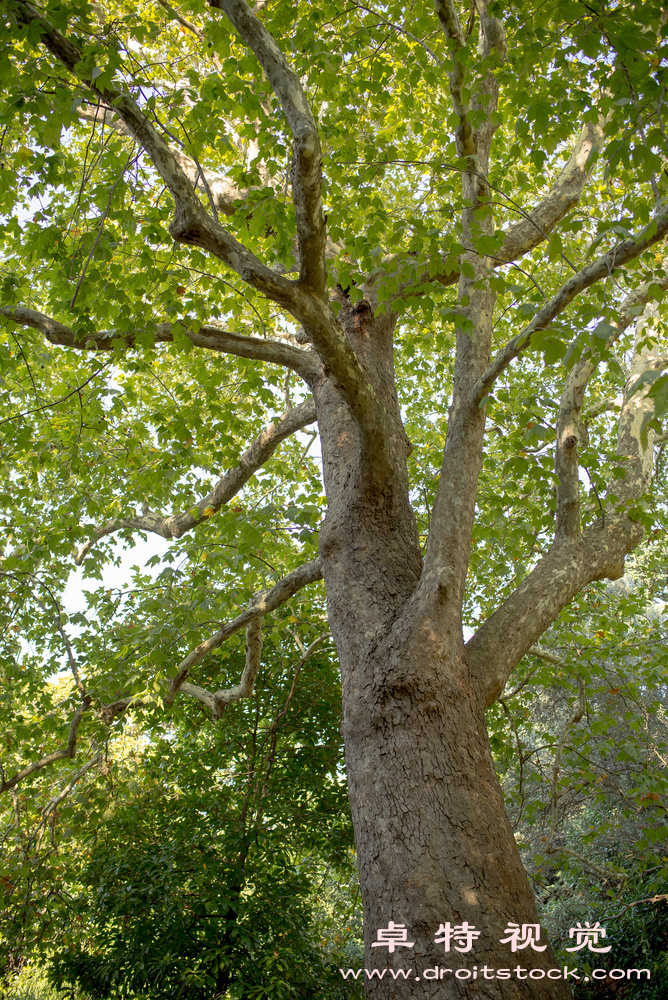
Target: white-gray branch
x=602, y=267
x=307, y=155
x=211, y=338
x=267, y=602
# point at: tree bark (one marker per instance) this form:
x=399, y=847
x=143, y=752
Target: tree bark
x=433, y=840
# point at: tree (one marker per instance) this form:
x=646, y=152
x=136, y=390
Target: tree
x=437, y=226
x=186, y=893
x=585, y=792
x=191, y=871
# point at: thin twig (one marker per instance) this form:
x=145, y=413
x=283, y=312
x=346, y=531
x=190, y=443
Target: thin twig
x=57, y=799
x=576, y=716
x=648, y=899
x=55, y=402
x=399, y=29
x=99, y=229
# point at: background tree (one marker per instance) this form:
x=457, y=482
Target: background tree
x=301, y=187
x=585, y=779
x=203, y=863
x=203, y=881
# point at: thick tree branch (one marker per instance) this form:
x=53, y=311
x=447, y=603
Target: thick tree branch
x=304, y=299
x=492, y=36
x=307, y=156
x=567, y=522
x=544, y=654
x=211, y=338
x=492, y=49
x=346, y=373
x=537, y=223
x=192, y=224
x=217, y=700
x=224, y=192
x=575, y=559
x=564, y=194
x=244, y=688
x=449, y=19
x=227, y=197
x=504, y=638
x=176, y=525
x=338, y=359
x=603, y=267
x=198, y=693
x=569, y=431
x=338, y=356
x=449, y=543
x=313, y=307
x=637, y=460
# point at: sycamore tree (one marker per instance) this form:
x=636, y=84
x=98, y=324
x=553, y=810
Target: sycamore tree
x=433, y=232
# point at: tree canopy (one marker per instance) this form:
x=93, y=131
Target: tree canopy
x=364, y=293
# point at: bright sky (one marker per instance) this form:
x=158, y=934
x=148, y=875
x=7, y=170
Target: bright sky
x=113, y=576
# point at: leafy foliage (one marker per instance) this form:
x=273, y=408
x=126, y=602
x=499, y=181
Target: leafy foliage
x=200, y=874
x=234, y=821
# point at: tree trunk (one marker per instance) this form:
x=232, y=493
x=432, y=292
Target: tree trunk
x=433, y=840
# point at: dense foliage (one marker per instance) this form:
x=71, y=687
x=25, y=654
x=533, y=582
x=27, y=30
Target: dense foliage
x=214, y=860
x=180, y=856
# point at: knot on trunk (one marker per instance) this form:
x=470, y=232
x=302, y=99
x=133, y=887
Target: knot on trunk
x=446, y=582
x=185, y=229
